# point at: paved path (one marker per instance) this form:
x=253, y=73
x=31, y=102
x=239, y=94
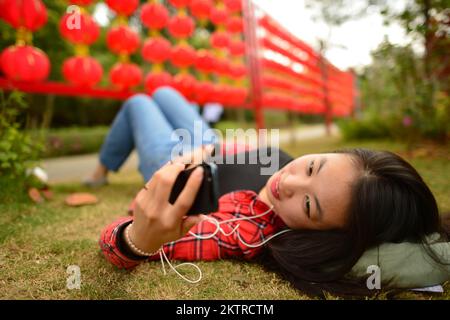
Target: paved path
x=75, y=168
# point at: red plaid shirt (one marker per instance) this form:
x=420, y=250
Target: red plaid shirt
x=235, y=204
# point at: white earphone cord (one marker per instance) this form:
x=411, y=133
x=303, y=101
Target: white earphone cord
x=162, y=254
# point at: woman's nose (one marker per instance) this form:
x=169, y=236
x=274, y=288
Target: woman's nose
x=291, y=184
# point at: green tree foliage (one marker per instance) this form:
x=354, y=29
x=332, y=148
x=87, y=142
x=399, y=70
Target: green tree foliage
x=403, y=92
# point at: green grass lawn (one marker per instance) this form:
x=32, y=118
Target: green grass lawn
x=39, y=242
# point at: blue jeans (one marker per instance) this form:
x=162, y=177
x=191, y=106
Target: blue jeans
x=147, y=123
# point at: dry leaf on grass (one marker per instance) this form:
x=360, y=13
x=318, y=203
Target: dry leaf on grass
x=81, y=199
x=35, y=196
x=47, y=193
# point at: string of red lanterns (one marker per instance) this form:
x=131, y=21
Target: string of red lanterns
x=84, y=70
x=156, y=49
x=181, y=26
x=124, y=41
x=23, y=61
x=80, y=29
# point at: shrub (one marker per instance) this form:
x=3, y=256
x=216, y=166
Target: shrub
x=72, y=141
x=18, y=151
x=370, y=126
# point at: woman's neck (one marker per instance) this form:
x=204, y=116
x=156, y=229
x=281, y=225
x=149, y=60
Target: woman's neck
x=264, y=197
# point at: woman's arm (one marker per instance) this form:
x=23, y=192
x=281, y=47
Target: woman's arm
x=190, y=248
x=156, y=222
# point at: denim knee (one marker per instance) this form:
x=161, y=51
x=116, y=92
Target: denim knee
x=165, y=91
x=137, y=99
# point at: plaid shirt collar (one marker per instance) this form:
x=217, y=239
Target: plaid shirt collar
x=243, y=201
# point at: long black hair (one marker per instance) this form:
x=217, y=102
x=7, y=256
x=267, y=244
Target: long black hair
x=390, y=202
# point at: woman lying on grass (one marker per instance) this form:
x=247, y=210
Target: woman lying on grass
x=336, y=207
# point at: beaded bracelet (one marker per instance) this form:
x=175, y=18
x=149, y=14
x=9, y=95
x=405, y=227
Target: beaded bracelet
x=133, y=246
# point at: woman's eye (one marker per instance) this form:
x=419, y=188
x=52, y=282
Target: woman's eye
x=307, y=205
x=310, y=168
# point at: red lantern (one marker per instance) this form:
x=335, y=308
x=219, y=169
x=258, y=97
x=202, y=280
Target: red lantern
x=205, y=61
x=86, y=33
x=25, y=63
x=236, y=48
x=81, y=2
x=185, y=84
x=156, y=50
x=234, y=24
x=220, y=39
x=201, y=8
x=233, y=5
x=204, y=92
x=180, y=3
x=123, y=7
x=182, y=56
x=154, y=16
x=125, y=75
x=155, y=80
x=2, y=8
x=219, y=16
x=221, y=66
x=30, y=14
x=221, y=93
x=238, y=71
x=82, y=71
x=237, y=96
x=181, y=26
x=122, y=39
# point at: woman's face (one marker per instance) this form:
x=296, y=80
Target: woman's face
x=312, y=191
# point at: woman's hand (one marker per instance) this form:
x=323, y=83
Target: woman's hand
x=156, y=221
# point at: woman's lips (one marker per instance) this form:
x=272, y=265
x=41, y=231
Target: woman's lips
x=274, y=187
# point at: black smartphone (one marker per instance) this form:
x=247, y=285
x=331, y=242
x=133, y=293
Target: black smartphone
x=207, y=198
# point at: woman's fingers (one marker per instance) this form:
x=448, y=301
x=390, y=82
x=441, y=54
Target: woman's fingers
x=187, y=196
x=164, y=179
x=159, y=185
x=191, y=221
